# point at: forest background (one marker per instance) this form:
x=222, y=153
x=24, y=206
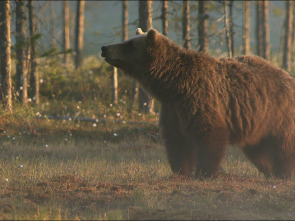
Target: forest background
x=80, y=140
x=56, y=29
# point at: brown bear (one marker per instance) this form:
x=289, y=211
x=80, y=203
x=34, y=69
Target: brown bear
x=207, y=104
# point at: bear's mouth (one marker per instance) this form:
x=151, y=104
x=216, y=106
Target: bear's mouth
x=112, y=61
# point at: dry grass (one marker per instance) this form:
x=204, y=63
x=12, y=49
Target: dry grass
x=59, y=170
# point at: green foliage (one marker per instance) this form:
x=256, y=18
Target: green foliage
x=85, y=92
x=35, y=38
x=277, y=11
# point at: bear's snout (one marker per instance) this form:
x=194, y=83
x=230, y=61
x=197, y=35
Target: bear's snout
x=103, y=51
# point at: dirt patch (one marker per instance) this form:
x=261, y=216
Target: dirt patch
x=66, y=191
x=72, y=189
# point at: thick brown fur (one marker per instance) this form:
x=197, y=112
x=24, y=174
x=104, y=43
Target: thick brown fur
x=207, y=104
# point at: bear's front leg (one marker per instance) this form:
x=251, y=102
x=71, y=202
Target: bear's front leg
x=211, y=151
x=181, y=155
x=180, y=151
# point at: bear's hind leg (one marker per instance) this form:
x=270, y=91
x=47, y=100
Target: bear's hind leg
x=268, y=156
x=209, y=161
x=261, y=157
x=284, y=165
x=211, y=151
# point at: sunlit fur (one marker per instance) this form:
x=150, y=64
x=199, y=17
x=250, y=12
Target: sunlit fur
x=207, y=104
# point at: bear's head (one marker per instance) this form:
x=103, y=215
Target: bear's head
x=131, y=55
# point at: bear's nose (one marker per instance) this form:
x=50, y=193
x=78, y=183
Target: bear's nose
x=103, y=51
x=103, y=48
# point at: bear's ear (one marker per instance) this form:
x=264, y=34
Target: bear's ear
x=152, y=36
x=139, y=31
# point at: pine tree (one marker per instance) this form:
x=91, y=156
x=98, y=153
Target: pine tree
x=21, y=64
x=79, y=33
x=66, y=31
x=146, y=103
x=227, y=31
x=125, y=20
x=246, y=28
x=34, y=77
x=186, y=24
x=202, y=27
x=288, y=35
x=52, y=42
x=265, y=30
x=231, y=28
x=165, y=17
x=5, y=57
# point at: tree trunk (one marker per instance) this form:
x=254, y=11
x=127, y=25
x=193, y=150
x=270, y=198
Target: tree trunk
x=259, y=33
x=125, y=20
x=265, y=30
x=5, y=45
x=246, y=28
x=165, y=17
x=186, y=25
x=52, y=43
x=287, y=41
x=21, y=64
x=227, y=32
x=293, y=36
x=66, y=33
x=79, y=33
x=114, y=78
x=34, y=77
x=202, y=27
x=231, y=28
x=146, y=103
x=115, y=86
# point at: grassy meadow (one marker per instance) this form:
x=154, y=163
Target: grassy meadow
x=115, y=168
x=77, y=170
